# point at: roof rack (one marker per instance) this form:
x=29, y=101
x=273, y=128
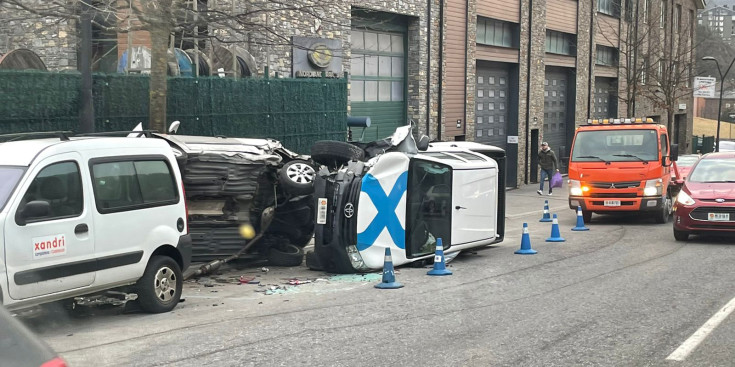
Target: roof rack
x=146, y=133
x=62, y=135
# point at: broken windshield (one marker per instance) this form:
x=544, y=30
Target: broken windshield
x=9, y=177
x=615, y=146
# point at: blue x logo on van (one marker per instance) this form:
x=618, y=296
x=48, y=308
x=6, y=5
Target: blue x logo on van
x=386, y=216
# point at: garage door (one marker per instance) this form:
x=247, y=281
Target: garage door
x=491, y=106
x=377, y=84
x=606, y=98
x=555, y=112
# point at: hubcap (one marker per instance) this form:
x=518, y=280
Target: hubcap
x=165, y=284
x=301, y=173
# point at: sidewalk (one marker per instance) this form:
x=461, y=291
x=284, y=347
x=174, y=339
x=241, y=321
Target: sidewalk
x=525, y=201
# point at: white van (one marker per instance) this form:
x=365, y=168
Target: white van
x=84, y=215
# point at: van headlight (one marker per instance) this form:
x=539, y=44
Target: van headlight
x=575, y=188
x=653, y=187
x=684, y=198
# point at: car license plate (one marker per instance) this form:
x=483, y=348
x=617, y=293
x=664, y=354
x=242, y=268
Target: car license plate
x=321, y=214
x=612, y=202
x=717, y=217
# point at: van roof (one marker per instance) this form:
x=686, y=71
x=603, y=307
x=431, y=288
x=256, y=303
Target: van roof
x=22, y=153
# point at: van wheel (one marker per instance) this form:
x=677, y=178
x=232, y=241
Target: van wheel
x=335, y=153
x=297, y=177
x=663, y=215
x=285, y=255
x=159, y=290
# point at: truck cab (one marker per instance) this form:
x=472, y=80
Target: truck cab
x=622, y=165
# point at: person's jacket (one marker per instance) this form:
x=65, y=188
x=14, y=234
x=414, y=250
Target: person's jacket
x=547, y=160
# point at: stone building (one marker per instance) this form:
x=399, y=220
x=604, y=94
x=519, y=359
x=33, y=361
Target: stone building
x=511, y=73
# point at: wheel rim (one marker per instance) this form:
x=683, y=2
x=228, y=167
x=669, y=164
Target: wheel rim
x=165, y=284
x=301, y=173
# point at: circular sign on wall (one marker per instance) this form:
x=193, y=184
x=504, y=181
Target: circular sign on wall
x=320, y=55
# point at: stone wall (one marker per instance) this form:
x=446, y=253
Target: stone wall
x=53, y=40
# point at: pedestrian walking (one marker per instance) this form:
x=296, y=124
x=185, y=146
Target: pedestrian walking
x=549, y=165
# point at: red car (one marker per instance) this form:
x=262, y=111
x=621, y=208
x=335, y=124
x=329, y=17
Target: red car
x=684, y=164
x=706, y=203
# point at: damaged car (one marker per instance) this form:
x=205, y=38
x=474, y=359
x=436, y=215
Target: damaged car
x=403, y=195
x=236, y=183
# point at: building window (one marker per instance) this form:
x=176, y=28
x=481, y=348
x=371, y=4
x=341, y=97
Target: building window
x=561, y=43
x=377, y=66
x=644, y=72
x=677, y=19
x=662, y=20
x=606, y=56
x=609, y=7
x=497, y=33
x=629, y=10
x=645, y=11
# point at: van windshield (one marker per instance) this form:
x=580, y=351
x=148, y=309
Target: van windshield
x=9, y=177
x=615, y=146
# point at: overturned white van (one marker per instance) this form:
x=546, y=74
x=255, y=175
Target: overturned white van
x=404, y=198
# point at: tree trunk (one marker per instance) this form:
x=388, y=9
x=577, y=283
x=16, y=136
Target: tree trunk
x=158, y=81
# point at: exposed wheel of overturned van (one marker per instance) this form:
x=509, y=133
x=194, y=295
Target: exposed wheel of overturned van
x=335, y=153
x=666, y=208
x=159, y=290
x=297, y=177
x=285, y=255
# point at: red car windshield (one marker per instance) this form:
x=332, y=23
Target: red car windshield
x=715, y=170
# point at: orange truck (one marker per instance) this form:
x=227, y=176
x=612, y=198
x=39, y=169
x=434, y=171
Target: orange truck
x=623, y=165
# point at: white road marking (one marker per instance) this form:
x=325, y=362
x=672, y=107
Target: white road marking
x=690, y=344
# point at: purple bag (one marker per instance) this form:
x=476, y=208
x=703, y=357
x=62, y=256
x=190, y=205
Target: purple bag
x=556, y=180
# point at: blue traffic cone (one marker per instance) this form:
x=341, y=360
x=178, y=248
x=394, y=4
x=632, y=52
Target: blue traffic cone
x=439, y=264
x=546, y=217
x=389, y=276
x=525, y=243
x=580, y=221
x=555, y=235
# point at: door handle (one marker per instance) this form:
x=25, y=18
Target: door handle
x=81, y=228
x=459, y=207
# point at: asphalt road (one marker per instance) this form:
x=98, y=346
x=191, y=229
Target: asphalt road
x=622, y=294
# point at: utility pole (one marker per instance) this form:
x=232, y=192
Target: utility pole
x=86, y=110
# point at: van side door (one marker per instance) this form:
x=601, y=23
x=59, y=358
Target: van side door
x=474, y=205
x=49, y=244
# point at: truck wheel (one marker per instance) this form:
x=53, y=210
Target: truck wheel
x=681, y=235
x=335, y=153
x=297, y=177
x=665, y=213
x=285, y=255
x=586, y=216
x=159, y=290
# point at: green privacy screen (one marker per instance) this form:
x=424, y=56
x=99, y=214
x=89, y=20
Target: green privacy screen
x=297, y=112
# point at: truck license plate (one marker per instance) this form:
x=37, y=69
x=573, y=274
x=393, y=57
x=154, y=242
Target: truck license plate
x=612, y=202
x=321, y=214
x=718, y=217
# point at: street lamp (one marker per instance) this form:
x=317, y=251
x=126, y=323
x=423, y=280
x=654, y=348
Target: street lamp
x=722, y=86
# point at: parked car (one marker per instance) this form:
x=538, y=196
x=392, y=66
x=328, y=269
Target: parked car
x=727, y=146
x=20, y=347
x=80, y=216
x=231, y=182
x=386, y=194
x=706, y=203
x=684, y=165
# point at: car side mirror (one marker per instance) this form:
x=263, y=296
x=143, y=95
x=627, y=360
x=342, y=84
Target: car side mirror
x=33, y=209
x=423, y=143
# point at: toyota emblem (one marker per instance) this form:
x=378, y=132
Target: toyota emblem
x=720, y=200
x=349, y=210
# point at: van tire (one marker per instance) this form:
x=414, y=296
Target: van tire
x=333, y=153
x=285, y=255
x=297, y=177
x=156, y=293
